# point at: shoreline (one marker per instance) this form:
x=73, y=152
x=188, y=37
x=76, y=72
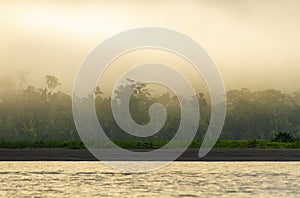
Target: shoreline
x=217, y=154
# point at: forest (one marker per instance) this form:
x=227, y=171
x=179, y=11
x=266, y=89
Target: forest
x=45, y=114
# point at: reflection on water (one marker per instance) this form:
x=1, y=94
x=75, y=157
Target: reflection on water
x=179, y=179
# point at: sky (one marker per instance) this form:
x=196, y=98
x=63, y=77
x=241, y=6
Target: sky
x=255, y=43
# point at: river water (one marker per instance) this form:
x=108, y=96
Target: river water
x=178, y=179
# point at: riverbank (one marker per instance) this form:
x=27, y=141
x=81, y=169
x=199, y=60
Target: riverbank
x=217, y=154
x=135, y=144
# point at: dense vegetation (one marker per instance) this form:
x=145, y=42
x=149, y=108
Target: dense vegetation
x=44, y=116
x=132, y=144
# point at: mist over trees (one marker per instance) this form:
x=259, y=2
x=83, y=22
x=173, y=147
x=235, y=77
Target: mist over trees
x=31, y=113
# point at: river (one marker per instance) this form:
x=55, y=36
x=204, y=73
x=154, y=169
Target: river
x=178, y=179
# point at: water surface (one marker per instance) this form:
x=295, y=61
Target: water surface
x=179, y=179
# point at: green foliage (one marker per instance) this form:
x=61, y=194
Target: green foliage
x=72, y=144
x=283, y=137
x=261, y=114
x=133, y=144
x=42, y=115
x=262, y=144
x=32, y=114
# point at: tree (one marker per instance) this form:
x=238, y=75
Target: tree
x=283, y=137
x=52, y=82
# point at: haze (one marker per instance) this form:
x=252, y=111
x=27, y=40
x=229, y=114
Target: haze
x=256, y=44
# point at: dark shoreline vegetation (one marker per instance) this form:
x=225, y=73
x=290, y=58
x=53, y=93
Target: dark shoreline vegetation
x=42, y=117
x=224, y=144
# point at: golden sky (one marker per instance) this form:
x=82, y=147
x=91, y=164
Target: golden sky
x=255, y=43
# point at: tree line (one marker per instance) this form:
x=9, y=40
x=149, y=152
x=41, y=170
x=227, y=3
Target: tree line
x=31, y=114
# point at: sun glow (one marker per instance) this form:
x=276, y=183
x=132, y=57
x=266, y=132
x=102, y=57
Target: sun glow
x=64, y=20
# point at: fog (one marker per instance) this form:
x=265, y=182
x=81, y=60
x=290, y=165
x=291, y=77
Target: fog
x=256, y=44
